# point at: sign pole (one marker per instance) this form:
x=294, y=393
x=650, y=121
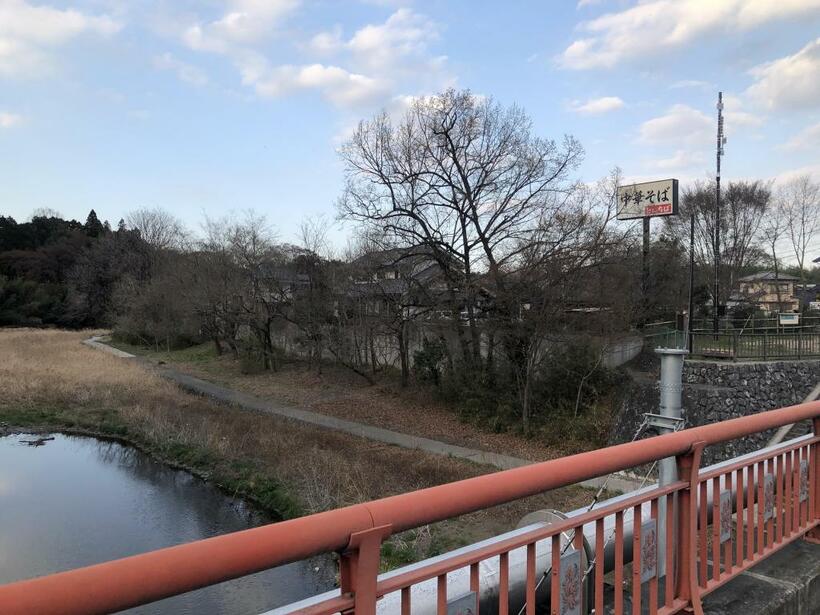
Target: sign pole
x=645, y=200
x=645, y=263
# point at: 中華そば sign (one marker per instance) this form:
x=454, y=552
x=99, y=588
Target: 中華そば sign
x=658, y=198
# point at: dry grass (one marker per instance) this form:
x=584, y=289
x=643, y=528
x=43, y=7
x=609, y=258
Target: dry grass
x=337, y=391
x=49, y=379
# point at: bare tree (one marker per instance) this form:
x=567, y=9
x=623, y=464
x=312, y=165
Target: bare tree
x=772, y=231
x=744, y=207
x=745, y=204
x=552, y=266
x=158, y=228
x=800, y=198
x=463, y=179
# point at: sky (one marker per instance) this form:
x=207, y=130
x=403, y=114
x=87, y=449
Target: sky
x=218, y=106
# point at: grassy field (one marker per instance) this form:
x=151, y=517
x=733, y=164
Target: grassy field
x=50, y=381
x=337, y=391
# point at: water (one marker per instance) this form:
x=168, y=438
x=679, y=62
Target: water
x=77, y=501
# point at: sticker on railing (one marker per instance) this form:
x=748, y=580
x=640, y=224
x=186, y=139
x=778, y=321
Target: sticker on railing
x=768, y=496
x=725, y=516
x=804, y=480
x=466, y=604
x=570, y=583
x=649, y=550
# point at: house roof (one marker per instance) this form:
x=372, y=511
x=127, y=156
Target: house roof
x=768, y=275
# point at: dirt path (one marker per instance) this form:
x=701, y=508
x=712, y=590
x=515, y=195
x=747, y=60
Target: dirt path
x=372, y=432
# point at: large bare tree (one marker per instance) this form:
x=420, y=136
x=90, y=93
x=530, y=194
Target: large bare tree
x=158, y=228
x=464, y=179
x=800, y=199
x=743, y=206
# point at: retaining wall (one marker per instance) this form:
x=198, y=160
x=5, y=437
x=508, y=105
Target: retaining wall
x=716, y=391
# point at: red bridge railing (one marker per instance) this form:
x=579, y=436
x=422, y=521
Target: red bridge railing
x=774, y=501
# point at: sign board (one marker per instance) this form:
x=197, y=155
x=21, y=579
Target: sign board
x=570, y=583
x=658, y=198
x=789, y=319
x=649, y=550
x=768, y=496
x=725, y=516
x=804, y=480
x=814, y=305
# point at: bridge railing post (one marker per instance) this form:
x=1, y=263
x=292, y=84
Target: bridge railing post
x=813, y=535
x=359, y=568
x=685, y=561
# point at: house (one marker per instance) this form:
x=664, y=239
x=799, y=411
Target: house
x=415, y=280
x=772, y=293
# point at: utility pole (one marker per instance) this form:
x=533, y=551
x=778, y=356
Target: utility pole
x=720, y=141
x=691, y=308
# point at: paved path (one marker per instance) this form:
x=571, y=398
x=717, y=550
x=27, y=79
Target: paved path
x=379, y=434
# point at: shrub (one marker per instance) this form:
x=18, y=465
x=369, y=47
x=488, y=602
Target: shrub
x=428, y=361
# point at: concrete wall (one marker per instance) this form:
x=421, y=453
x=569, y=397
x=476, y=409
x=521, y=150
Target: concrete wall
x=716, y=391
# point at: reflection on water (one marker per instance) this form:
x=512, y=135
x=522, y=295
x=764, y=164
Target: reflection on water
x=79, y=501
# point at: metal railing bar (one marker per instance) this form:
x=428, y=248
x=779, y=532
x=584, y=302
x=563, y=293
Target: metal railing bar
x=140, y=579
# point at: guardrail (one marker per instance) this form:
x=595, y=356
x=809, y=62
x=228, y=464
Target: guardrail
x=755, y=324
x=774, y=496
x=737, y=345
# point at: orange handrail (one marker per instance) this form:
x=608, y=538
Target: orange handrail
x=140, y=579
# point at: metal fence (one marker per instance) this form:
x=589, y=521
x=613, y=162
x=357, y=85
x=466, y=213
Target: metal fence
x=769, y=323
x=743, y=346
x=717, y=524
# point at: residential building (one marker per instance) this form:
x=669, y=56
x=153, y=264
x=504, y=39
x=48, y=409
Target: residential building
x=772, y=293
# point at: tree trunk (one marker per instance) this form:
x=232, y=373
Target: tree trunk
x=217, y=345
x=403, y=358
x=372, y=348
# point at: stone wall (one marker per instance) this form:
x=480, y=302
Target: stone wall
x=716, y=391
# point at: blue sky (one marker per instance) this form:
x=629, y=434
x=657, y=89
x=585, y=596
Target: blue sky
x=204, y=108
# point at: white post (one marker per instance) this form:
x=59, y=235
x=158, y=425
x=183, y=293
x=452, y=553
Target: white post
x=671, y=408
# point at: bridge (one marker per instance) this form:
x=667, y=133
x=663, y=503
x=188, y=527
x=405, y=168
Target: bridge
x=665, y=547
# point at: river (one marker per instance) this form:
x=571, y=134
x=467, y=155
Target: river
x=77, y=501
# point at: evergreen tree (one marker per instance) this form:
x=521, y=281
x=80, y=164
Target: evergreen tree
x=93, y=227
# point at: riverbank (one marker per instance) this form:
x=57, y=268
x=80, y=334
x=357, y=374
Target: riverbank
x=337, y=392
x=50, y=380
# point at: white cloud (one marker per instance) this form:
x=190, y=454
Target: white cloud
x=680, y=124
x=654, y=25
x=28, y=33
x=812, y=170
x=184, y=71
x=400, y=42
x=374, y=63
x=336, y=84
x=735, y=115
x=7, y=120
x=809, y=138
x=326, y=43
x=790, y=82
x=245, y=22
x=690, y=83
x=596, y=106
x=682, y=159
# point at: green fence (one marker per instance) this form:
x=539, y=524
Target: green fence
x=736, y=345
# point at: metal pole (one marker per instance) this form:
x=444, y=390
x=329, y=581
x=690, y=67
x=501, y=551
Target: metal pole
x=691, y=280
x=671, y=407
x=645, y=265
x=716, y=293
